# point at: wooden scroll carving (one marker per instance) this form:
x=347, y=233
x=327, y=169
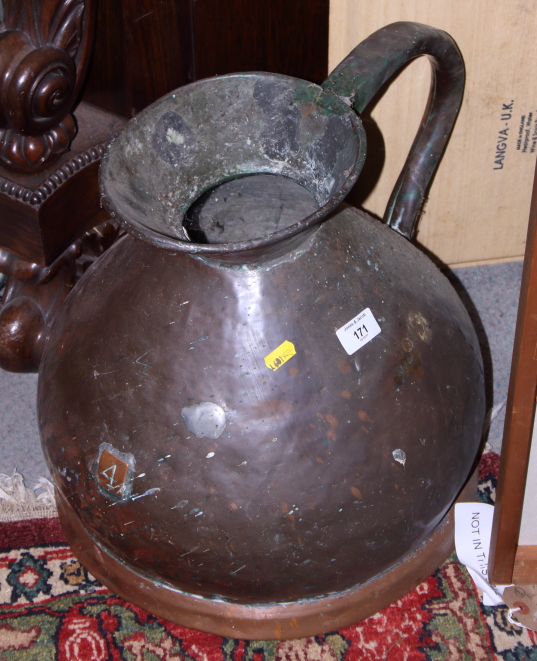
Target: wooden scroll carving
x=33, y=294
x=44, y=51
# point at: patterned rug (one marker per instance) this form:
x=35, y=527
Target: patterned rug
x=52, y=609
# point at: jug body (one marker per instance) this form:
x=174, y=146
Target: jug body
x=263, y=435
x=263, y=462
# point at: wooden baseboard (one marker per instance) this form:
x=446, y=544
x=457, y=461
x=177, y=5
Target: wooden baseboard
x=525, y=569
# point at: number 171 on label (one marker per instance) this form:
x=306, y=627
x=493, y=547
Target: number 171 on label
x=358, y=331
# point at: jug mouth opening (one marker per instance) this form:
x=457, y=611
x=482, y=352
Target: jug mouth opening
x=303, y=143
x=251, y=206
x=262, y=248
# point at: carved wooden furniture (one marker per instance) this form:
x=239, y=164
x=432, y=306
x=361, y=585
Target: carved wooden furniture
x=49, y=159
x=43, y=55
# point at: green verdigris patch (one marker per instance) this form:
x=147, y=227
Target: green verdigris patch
x=315, y=97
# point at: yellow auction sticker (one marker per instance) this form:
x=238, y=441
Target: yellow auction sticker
x=280, y=355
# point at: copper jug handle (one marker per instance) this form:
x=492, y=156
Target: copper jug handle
x=363, y=72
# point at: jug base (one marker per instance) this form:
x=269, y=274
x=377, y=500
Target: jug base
x=275, y=621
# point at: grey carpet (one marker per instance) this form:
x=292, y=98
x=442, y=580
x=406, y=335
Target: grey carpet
x=20, y=448
x=490, y=293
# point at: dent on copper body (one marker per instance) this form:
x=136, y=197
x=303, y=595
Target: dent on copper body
x=257, y=461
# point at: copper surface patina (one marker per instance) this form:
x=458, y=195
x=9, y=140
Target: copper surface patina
x=252, y=413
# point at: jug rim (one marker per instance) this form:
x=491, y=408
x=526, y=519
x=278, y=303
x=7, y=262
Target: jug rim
x=264, y=243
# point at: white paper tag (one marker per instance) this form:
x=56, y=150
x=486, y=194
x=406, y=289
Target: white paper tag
x=358, y=331
x=473, y=528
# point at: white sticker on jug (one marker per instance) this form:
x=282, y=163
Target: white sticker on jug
x=358, y=331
